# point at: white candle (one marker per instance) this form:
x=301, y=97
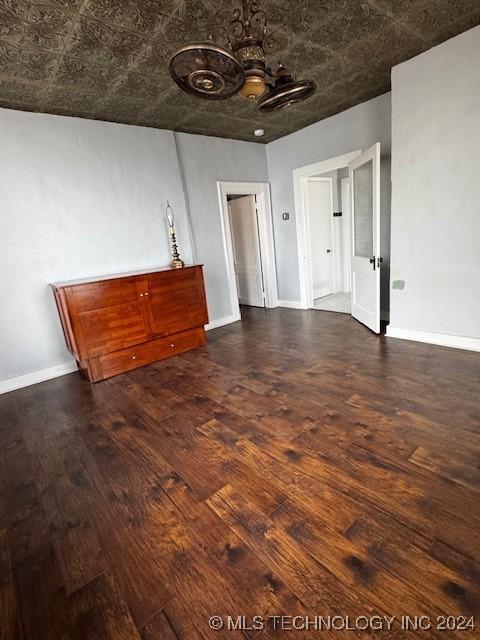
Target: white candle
x=170, y=216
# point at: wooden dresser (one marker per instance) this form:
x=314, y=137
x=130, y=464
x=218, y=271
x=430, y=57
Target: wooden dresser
x=116, y=323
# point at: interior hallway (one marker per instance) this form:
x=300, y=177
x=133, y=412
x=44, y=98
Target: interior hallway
x=296, y=464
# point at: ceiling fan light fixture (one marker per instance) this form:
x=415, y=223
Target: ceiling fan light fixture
x=286, y=91
x=254, y=85
x=207, y=70
x=213, y=72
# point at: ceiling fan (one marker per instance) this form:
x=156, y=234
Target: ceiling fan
x=214, y=72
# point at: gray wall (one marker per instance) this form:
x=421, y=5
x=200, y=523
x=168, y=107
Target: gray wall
x=82, y=198
x=206, y=160
x=436, y=189
x=357, y=128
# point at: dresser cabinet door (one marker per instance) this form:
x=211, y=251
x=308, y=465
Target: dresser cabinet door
x=112, y=315
x=176, y=301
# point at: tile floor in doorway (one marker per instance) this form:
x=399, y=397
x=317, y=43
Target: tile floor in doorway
x=339, y=302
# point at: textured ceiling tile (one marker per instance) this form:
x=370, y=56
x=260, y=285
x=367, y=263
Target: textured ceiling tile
x=90, y=40
x=302, y=15
x=36, y=65
x=337, y=69
x=174, y=97
x=153, y=60
x=47, y=28
x=362, y=86
x=15, y=9
x=277, y=40
x=466, y=22
x=288, y=120
x=164, y=116
x=22, y=92
x=222, y=130
x=12, y=20
x=66, y=4
x=388, y=47
x=76, y=101
x=140, y=86
x=302, y=54
x=74, y=73
x=119, y=109
x=125, y=47
x=36, y=38
x=108, y=59
x=9, y=57
x=355, y=21
x=427, y=18
x=143, y=16
x=196, y=20
x=50, y=18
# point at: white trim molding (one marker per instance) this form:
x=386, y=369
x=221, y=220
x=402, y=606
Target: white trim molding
x=429, y=337
x=303, y=250
x=265, y=229
x=290, y=304
x=37, y=376
x=220, y=322
x=26, y=380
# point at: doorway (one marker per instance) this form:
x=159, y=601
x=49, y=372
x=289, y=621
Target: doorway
x=248, y=244
x=327, y=215
x=361, y=239
x=247, y=255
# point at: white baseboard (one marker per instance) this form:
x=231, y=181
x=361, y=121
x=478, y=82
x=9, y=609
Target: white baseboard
x=11, y=384
x=37, y=376
x=220, y=322
x=442, y=339
x=290, y=304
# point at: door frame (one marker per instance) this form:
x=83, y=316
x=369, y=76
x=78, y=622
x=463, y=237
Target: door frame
x=306, y=181
x=304, y=258
x=347, y=233
x=265, y=236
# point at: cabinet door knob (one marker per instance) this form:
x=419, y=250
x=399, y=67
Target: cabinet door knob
x=134, y=357
x=172, y=345
x=146, y=293
x=141, y=295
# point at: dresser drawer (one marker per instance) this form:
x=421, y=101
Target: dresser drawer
x=114, y=363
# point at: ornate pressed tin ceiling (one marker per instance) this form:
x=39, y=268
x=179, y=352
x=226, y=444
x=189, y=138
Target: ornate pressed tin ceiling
x=108, y=59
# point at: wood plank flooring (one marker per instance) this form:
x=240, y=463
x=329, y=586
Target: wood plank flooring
x=297, y=465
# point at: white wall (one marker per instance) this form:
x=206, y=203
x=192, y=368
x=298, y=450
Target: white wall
x=82, y=198
x=436, y=189
x=205, y=161
x=356, y=128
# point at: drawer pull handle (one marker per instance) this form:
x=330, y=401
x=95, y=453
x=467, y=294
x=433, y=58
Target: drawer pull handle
x=134, y=357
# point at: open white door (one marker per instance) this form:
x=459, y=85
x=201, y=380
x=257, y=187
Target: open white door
x=246, y=251
x=365, y=212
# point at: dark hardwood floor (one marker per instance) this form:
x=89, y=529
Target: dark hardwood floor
x=296, y=465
